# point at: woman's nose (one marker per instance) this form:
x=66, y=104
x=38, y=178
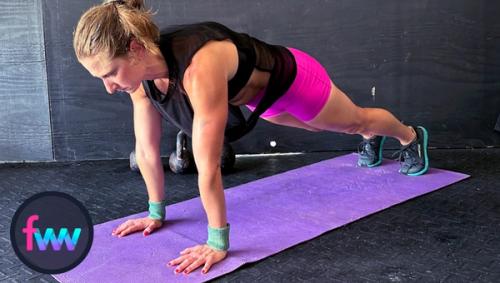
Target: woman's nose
x=110, y=86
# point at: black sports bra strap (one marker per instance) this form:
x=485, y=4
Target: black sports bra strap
x=282, y=77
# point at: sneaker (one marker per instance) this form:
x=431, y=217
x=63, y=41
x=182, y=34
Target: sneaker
x=370, y=151
x=413, y=156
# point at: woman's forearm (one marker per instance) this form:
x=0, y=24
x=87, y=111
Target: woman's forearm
x=212, y=197
x=151, y=169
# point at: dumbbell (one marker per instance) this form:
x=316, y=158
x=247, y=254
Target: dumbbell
x=177, y=162
x=181, y=159
x=227, y=158
x=133, y=162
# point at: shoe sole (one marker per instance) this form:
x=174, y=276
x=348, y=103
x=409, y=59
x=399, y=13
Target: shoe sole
x=426, y=158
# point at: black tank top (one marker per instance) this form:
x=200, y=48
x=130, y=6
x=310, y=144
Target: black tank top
x=178, y=44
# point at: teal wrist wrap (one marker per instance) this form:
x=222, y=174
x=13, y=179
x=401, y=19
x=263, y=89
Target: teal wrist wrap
x=218, y=238
x=157, y=210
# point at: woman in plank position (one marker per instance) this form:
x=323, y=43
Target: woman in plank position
x=197, y=76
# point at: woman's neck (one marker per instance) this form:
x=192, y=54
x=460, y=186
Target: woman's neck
x=156, y=67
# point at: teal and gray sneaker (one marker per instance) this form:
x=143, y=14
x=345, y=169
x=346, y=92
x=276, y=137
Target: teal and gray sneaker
x=370, y=151
x=413, y=157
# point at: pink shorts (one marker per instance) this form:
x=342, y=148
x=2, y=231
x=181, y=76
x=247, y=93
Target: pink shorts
x=306, y=96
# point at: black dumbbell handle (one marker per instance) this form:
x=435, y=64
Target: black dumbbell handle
x=181, y=145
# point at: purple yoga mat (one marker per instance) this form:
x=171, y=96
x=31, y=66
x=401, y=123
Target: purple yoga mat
x=266, y=216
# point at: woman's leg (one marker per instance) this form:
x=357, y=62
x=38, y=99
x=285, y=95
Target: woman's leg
x=314, y=103
x=285, y=119
x=340, y=114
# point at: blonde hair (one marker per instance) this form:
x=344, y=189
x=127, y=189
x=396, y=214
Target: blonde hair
x=108, y=29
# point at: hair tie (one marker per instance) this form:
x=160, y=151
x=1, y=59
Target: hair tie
x=117, y=2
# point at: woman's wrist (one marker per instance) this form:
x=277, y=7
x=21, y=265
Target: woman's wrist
x=157, y=210
x=218, y=238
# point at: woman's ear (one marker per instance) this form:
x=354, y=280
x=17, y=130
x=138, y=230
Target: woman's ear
x=136, y=50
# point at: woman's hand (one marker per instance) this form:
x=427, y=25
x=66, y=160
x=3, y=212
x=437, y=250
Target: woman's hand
x=194, y=257
x=146, y=224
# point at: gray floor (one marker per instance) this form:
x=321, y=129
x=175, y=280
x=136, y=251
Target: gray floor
x=450, y=235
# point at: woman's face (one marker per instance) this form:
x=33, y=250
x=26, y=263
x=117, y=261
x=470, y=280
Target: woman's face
x=119, y=74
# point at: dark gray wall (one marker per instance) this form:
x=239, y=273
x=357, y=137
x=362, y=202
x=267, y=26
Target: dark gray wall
x=433, y=63
x=497, y=126
x=87, y=123
x=24, y=110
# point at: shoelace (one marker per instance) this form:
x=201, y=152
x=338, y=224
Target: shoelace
x=407, y=154
x=364, y=148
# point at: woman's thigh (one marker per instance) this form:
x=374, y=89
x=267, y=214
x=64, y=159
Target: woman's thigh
x=285, y=119
x=338, y=114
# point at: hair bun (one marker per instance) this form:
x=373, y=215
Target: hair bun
x=135, y=4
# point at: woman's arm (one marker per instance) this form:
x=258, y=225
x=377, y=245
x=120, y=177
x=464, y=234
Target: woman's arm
x=205, y=82
x=147, y=128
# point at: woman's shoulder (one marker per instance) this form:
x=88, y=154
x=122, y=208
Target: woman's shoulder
x=181, y=42
x=194, y=28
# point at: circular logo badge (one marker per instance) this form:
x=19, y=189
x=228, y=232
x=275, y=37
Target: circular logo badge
x=51, y=232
